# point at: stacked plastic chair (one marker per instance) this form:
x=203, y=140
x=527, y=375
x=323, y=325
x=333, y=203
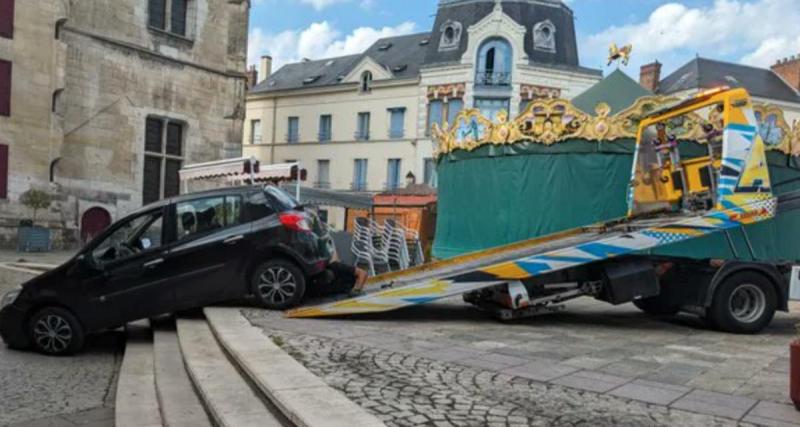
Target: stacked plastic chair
x=362, y=244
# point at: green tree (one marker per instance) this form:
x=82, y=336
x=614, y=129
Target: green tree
x=36, y=200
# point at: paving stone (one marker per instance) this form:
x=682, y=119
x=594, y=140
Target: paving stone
x=774, y=412
x=592, y=381
x=676, y=373
x=540, y=370
x=451, y=354
x=712, y=403
x=650, y=392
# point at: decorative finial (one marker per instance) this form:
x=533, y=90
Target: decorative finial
x=497, y=5
x=622, y=54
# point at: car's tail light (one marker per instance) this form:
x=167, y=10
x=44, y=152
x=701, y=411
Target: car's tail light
x=296, y=221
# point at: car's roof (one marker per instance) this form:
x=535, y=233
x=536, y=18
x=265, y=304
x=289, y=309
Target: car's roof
x=191, y=196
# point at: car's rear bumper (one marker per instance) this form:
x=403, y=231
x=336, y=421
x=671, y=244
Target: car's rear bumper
x=12, y=329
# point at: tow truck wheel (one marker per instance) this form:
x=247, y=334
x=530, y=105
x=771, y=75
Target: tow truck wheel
x=743, y=303
x=278, y=284
x=657, y=306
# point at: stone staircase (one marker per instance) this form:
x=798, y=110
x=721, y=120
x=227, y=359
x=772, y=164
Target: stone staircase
x=217, y=369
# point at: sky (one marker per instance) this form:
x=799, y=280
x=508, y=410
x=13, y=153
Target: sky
x=751, y=32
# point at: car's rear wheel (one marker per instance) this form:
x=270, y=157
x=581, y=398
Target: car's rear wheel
x=743, y=303
x=278, y=284
x=55, y=331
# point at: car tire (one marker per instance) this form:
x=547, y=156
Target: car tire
x=55, y=331
x=743, y=303
x=656, y=306
x=278, y=284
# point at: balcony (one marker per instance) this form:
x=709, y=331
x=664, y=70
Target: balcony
x=493, y=79
x=361, y=136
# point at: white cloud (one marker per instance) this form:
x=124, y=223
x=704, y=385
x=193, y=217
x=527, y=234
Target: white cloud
x=321, y=4
x=757, y=32
x=318, y=40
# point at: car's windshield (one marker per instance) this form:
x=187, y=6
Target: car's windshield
x=283, y=199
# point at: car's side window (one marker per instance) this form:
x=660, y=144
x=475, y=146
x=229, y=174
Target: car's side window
x=136, y=235
x=257, y=206
x=233, y=210
x=201, y=216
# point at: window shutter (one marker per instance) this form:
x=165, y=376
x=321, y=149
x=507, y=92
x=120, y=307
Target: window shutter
x=153, y=134
x=5, y=88
x=174, y=138
x=7, y=19
x=178, y=24
x=157, y=11
x=3, y=171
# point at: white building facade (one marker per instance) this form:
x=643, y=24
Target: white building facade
x=362, y=122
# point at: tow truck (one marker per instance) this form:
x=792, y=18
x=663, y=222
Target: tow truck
x=671, y=198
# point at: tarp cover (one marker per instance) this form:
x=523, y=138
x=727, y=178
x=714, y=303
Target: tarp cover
x=497, y=195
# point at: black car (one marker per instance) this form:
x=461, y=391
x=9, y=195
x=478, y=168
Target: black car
x=172, y=255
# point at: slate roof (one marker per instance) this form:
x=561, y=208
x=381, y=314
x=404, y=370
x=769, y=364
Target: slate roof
x=401, y=55
x=702, y=73
x=406, y=55
x=617, y=90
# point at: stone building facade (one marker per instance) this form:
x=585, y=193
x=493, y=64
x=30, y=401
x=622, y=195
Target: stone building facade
x=361, y=122
x=109, y=98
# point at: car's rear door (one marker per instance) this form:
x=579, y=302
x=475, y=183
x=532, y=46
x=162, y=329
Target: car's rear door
x=209, y=250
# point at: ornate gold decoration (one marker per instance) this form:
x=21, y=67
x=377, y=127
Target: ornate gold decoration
x=622, y=54
x=549, y=121
x=454, y=90
x=528, y=92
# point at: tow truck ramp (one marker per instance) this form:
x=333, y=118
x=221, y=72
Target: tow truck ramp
x=577, y=247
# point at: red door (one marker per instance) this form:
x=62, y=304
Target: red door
x=93, y=222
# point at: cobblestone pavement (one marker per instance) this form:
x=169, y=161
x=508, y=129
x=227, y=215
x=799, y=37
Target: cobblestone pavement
x=37, y=390
x=405, y=389
x=612, y=362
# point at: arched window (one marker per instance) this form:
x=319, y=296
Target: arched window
x=494, y=63
x=451, y=35
x=366, y=81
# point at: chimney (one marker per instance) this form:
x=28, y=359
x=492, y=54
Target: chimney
x=266, y=68
x=252, y=76
x=650, y=76
x=789, y=70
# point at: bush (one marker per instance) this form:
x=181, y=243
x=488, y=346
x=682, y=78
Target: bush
x=36, y=200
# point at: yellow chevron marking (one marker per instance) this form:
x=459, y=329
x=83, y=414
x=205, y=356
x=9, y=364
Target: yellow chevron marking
x=509, y=270
x=435, y=287
x=676, y=230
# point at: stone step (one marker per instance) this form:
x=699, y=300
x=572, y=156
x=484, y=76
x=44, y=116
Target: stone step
x=305, y=399
x=226, y=395
x=180, y=405
x=136, y=402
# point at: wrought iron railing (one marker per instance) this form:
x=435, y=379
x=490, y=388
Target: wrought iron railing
x=493, y=79
x=361, y=136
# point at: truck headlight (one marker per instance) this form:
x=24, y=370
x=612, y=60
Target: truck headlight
x=10, y=297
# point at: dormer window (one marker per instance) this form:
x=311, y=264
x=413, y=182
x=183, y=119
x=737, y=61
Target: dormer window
x=451, y=35
x=366, y=81
x=399, y=68
x=384, y=47
x=544, y=36
x=311, y=79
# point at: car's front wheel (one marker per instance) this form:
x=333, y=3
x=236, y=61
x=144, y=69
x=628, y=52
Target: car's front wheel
x=55, y=331
x=278, y=284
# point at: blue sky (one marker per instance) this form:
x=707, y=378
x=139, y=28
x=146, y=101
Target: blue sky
x=753, y=32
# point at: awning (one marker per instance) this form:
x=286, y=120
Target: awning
x=243, y=168
x=316, y=196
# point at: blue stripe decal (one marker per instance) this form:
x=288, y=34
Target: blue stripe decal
x=602, y=250
x=420, y=300
x=741, y=128
x=533, y=267
x=562, y=258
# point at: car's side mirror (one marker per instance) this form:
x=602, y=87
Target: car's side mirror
x=85, y=262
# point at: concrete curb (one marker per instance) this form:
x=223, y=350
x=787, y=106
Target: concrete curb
x=302, y=396
x=228, y=397
x=136, y=402
x=179, y=403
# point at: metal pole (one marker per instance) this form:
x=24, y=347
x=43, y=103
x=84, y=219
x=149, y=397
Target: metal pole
x=297, y=184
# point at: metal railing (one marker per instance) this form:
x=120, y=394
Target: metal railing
x=361, y=136
x=255, y=140
x=322, y=185
x=292, y=138
x=324, y=136
x=493, y=79
x=358, y=186
x=396, y=133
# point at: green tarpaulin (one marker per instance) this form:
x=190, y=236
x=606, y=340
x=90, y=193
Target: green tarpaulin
x=503, y=194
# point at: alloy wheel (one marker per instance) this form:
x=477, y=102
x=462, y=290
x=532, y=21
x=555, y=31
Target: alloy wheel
x=277, y=285
x=52, y=333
